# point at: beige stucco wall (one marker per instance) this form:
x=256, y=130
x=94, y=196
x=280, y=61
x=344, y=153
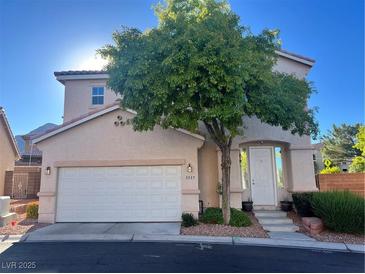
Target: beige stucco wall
x=289, y=66
x=7, y=155
x=208, y=174
x=78, y=97
x=101, y=140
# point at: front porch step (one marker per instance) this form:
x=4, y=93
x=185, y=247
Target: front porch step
x=269, y=213
x=281, y=228
x=274, y=220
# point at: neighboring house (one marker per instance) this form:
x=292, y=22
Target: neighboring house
x=23, y=181
x=30, y=154
x=8, y=149
x=96, y=170
x=319, y=161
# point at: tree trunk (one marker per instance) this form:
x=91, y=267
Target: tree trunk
x=223, y=140
x=226, y=171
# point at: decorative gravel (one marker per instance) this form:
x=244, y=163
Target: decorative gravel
x=21, y=225
x=327, y=235
x=253, y=231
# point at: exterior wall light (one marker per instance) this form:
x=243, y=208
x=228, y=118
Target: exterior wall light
x=189, y=168
x=48, y=170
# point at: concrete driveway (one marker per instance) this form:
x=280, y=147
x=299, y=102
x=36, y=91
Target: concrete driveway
x=100, y=231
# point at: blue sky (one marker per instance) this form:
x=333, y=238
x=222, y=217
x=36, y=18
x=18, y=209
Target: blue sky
x=39, y=37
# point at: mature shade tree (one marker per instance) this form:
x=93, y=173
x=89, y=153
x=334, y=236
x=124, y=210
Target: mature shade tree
x=199, y=65
x=358, y=162
x=339, y=144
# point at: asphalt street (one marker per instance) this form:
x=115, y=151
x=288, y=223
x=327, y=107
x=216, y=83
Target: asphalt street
x=170, y=257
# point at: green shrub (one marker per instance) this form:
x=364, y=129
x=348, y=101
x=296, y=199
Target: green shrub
x=302, y=203
x=331, y=170
x=32, y=211
x=239, y=218
x=188, y=220
x=214, y=215
x=341, y=211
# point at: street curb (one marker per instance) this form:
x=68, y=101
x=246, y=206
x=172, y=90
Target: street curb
x=291, y=244
x=12, y=238
x=34, y=238
x=183, y=239
x=155, y=238
x=356, y=248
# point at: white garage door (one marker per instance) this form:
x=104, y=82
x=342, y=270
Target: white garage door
x=119, y=194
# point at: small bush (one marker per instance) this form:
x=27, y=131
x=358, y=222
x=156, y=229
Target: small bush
x=331, y=170
x=239, y=218
x=302, y=203
x=32, y=211
x=341, y=211
x=214, y=215
x=188, y=220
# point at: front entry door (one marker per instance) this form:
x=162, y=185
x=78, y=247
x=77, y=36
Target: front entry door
x=263, y=183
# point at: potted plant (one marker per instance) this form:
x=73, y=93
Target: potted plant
x=247, y=205
x=286, y=205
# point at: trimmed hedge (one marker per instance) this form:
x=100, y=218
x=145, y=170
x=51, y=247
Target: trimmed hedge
x=331, y=170
x=302, y=203
x=214, y=215
x=341, y=211
x=32, y=211
x=188, y=219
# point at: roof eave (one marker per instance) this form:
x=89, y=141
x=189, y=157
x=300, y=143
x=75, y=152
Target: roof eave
x=300, y=59
x=10, y=133
x=95, y=115
x=97, y=76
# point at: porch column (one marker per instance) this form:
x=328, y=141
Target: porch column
x=236, y=185
x=301, y=170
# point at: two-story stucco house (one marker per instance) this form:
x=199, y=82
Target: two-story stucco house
x=95, y=169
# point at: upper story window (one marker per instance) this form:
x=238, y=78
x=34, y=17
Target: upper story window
x=98, y=95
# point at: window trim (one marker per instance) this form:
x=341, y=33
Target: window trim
x=97, y=95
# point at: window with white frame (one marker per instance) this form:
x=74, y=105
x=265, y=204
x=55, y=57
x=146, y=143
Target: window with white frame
x=97, y=97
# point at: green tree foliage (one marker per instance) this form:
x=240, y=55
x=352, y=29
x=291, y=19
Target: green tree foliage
x=201, y=65
x=360, y=140
x=338, y=144
x=358, y=163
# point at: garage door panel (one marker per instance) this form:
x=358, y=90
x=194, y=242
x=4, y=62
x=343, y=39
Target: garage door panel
x=119, y=194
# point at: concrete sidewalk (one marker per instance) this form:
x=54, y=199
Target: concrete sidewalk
x=105, y=237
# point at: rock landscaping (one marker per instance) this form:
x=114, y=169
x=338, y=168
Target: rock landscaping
x=326, y=235
x=21, y=224
x=253, y=231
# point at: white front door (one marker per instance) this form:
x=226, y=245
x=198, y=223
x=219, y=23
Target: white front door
x=263, y=183
x=119, y=194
